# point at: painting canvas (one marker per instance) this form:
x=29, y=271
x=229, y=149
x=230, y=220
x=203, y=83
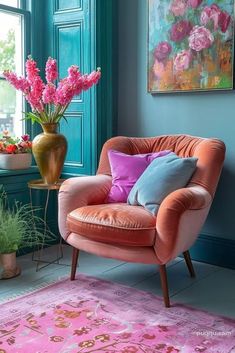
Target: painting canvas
x=190, y=45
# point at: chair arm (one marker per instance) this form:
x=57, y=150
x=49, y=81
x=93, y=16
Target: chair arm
x=78, y=192
x=179, y=220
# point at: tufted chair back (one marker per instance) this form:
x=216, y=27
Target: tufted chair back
x=210, y=154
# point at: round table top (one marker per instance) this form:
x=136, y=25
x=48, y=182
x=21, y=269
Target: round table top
x=39, y=184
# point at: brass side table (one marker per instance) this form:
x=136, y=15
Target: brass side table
x=38, y=184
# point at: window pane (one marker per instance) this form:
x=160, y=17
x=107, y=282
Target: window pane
x=10, y=42
x=13, y=3
x=7, y=106
x=11, y=55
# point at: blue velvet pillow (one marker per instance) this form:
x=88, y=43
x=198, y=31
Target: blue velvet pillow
x=163, y=176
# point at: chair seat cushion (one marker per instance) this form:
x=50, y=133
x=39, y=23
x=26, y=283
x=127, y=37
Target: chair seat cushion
x=114, y=223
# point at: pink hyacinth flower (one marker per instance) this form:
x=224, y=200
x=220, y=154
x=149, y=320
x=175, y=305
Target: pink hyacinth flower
x=91, y=79
x=75, y=79
x=51, y=70
x=35, y=104
x=48, y=94
x=78, y=86
x=86, y=84
x=94, y=76
x=20, y=83
x=64, y=92
x=31, y=70
x=37, y=87
x=74, y=74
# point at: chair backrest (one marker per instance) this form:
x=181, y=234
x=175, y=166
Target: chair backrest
x=209, y=151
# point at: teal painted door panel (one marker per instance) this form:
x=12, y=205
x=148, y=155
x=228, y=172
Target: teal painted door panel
x=69, y=43
x=75, y=130
x=72, y=46
x=62, y=5
x=69, y=39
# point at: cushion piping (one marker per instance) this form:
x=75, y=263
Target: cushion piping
x=109, y=225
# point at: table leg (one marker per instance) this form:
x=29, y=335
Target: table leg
x=41, y=249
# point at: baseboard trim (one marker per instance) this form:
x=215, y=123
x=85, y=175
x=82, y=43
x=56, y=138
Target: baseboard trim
x=214, y=250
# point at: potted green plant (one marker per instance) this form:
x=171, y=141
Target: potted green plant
x=20, y=227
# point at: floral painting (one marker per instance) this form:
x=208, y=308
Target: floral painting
x=190, y=45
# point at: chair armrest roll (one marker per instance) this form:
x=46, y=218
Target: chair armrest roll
x=179, y=220
x=78, y=192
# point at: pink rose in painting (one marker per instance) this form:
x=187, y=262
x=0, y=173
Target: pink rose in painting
x=183, y=60
x=211, y=13
x=162, y=51
x=194, y=3
x=178, y=7
x=224, y=21
x=200, y=38
x=180, y=30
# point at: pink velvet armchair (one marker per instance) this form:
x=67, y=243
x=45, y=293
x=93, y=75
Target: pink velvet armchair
x=131, y=233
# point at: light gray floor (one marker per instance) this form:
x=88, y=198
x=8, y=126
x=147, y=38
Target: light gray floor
x=213, y=289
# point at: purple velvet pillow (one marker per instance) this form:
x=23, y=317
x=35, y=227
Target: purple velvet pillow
x=126, y=169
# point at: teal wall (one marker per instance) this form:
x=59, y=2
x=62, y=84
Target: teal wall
x=203, y=114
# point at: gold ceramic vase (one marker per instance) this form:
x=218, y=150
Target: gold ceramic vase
x=49, y=149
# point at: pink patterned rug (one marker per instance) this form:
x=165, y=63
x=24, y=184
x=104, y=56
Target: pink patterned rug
x=92, y=316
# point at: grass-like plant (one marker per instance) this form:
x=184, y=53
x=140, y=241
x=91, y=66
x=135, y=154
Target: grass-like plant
x=20, y=227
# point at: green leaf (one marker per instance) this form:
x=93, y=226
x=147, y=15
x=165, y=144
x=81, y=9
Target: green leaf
x=170, y=17
x=59, y=117
x=65, y=119
x=33, y=117
x=12, y=141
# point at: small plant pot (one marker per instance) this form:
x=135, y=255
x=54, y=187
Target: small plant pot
x=10, y=267
x=15, y=161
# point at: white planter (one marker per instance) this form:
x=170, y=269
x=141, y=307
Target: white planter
x=15, y=161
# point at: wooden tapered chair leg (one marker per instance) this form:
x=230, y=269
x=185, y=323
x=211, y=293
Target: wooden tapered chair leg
x=189, y=263
x=74, y=263
x=163, y=276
